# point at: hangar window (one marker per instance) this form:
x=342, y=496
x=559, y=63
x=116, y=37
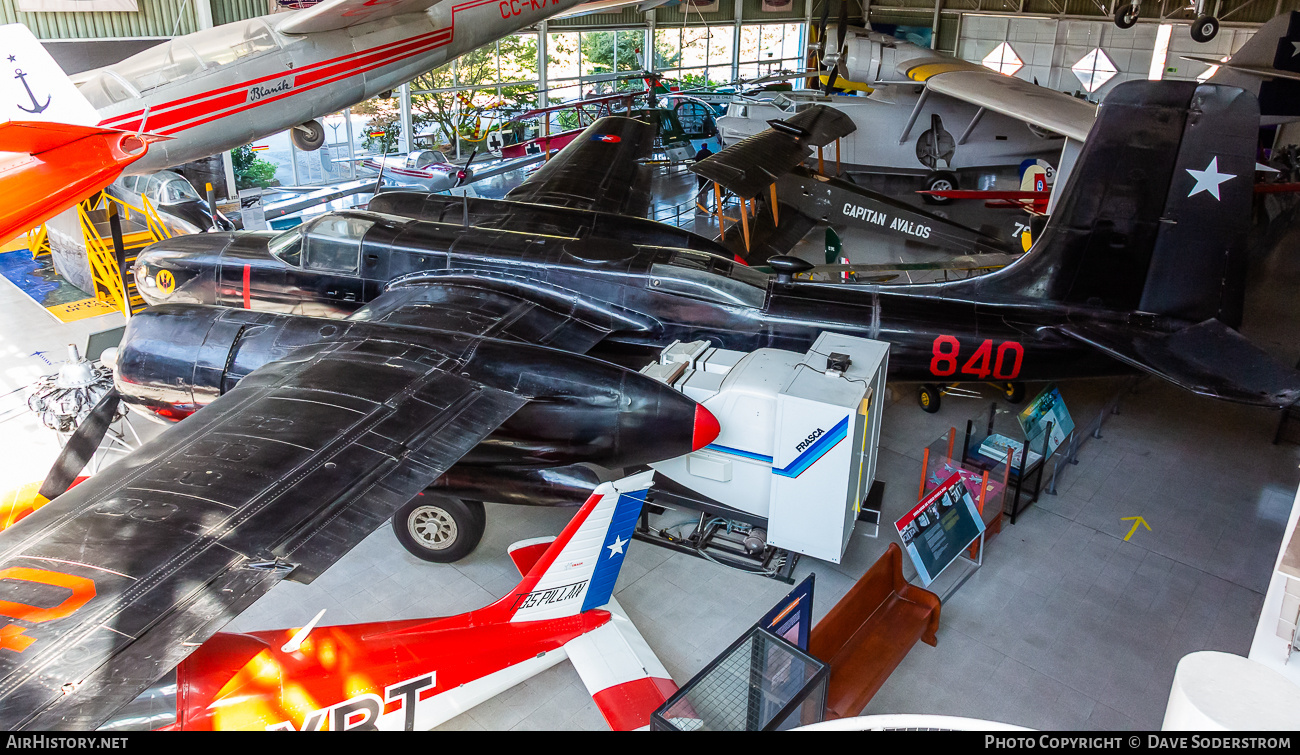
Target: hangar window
x=334, y=242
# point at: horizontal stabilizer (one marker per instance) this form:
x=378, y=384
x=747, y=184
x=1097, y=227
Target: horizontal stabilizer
x=525, y=553
x=1208, y=358
x=621, y=673
x=35, y=137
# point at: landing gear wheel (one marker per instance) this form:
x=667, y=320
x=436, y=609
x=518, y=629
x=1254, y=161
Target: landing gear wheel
x=1126, y=16
x=309, y=136
x=1014, y=392
x=438, y=529
x=939, y=181
x=1204, y=28
x=928, y=398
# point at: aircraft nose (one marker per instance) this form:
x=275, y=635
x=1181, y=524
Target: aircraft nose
x=706, y=428
x=180, y=269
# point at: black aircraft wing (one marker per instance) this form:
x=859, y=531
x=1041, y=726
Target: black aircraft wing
x=749, y=166
x=599, y=170
x=117, y=580
x=506, y=308
x=1208, y=358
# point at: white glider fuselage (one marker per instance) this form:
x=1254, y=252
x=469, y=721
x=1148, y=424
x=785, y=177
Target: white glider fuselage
x=217, y=89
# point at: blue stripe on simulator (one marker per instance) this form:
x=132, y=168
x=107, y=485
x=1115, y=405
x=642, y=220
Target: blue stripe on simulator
x=614, y=550
x=809, y=457
x=816, y=451
x=738, y=452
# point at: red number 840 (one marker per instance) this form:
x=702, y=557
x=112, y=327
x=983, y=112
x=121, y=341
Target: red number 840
x=1006, y=365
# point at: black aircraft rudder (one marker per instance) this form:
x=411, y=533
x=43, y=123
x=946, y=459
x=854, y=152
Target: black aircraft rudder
x=1154, y=215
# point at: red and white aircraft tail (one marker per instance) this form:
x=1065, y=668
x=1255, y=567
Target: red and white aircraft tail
x=574, y=573
x=417, y=674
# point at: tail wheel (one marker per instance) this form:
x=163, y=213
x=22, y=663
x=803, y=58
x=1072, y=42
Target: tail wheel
x=1014, y=392
x=1126, y=16
x=939, y=181
x=439, y=529
x=1205, y=28
x=928, y=398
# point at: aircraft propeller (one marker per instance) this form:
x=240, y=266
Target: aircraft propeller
x=81, y=445
x=828, y=62
x=464, y=174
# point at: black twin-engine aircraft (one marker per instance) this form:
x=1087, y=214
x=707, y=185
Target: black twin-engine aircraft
x=352, y=362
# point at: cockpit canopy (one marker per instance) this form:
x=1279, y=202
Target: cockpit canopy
x=424, y=158
x=709, y=277
x=181, y=57
x=162, y=188
x=329, y=243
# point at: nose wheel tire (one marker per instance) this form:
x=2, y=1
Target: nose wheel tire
x=438, y=529
x=939, y=181
x=1205, y=28
x=1014, y=392
x=928, y=398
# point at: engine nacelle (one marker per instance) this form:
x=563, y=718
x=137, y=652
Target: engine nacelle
x=175, y=359
x=860, y=59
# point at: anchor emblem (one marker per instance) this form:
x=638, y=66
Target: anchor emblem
x=36, y=106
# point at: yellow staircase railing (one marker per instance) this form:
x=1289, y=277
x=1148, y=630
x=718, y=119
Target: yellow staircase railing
x=146, y=228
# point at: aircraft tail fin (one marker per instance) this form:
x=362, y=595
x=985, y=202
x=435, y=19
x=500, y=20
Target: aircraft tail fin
x=1267, y=65
x=38, y=90
x=1154, y=216
x=576, y=571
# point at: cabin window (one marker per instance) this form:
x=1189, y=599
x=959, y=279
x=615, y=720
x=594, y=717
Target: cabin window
x=287, y=247
x=334, y=242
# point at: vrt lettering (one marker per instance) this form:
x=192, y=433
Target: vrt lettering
x=362, y=713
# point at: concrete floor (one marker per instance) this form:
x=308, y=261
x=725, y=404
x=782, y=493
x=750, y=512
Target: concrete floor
x=1066, y=625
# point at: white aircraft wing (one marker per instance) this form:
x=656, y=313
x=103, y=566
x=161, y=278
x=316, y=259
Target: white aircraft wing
x=339, y=14
x=1008, y=95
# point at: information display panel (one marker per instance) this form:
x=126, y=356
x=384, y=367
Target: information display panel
x=1047, y=407
x=939, y=528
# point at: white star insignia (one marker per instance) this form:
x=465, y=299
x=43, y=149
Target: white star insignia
x=1296, y=45
x=1208, y=179
x=616, y=546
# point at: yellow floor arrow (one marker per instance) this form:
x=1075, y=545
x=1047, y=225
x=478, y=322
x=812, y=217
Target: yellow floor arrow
x=1139, y=521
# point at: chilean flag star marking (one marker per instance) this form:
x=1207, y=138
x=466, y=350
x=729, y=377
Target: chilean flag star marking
x=1208, y=179
x=616, y=547
x=607, y=138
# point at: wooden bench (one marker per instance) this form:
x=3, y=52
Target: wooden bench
x=869, y=632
